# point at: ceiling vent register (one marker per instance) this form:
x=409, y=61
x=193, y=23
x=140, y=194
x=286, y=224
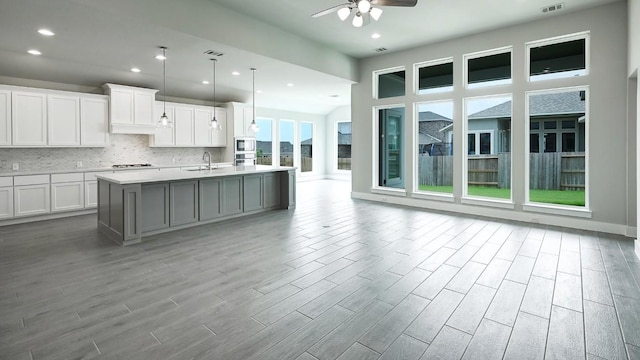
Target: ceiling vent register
x=550, y=8
x=213, y=53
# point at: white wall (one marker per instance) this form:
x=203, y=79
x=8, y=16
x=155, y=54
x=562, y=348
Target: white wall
x=608, y=158
x=634, y=35
x=340, y=114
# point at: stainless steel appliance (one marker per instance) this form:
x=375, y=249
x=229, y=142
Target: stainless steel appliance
x=245, y=151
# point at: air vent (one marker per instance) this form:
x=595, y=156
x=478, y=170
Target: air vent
x=213, y=53
x=380, y=49
x=550, y=8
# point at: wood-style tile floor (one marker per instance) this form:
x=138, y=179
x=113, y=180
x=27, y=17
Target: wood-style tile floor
x=333, y=279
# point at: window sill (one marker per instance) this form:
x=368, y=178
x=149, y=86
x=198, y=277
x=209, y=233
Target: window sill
x=433, y=196
x=503, y=204
x=389, y=191
x=557, y=210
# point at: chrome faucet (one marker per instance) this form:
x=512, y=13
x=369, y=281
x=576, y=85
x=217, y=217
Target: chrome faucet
x=207, y=156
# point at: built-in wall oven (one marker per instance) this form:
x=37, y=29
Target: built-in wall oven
x=245, y=151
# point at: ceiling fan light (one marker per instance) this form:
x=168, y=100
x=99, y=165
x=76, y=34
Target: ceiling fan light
x=358, y=21
x=375, y=13
x=364, y=6
x=344, y=13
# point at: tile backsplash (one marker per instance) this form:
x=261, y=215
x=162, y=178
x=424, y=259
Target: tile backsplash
x=124, y=149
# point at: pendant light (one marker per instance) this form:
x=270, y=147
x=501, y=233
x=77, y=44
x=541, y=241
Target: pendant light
x=253, y=126
x=214, y=124
x=164, y=121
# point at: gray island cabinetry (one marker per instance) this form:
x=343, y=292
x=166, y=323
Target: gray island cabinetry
x=134, y=205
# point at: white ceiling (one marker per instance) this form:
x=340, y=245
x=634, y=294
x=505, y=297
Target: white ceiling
x=98, y=41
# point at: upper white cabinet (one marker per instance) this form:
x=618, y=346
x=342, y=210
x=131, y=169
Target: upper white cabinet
x=29, y=118
x=63, y=114
x=240, y=115
x=131, y=109
x=190, y=126
x=5, y=117
x=94, y=118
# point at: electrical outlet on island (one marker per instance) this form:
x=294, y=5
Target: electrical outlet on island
x=79, y=164
x=15, y=166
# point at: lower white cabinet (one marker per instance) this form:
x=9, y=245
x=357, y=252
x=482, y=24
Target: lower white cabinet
x=91, y=194
x=6, y=202
x=31, y=199
x=67, y=196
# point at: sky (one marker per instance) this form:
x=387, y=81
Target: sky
x=286, y=130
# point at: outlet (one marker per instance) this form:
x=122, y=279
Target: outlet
x=79, y=164
x=173, y=160
x=15, y=166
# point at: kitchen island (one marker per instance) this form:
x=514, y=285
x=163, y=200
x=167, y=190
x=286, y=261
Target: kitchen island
x=138, y=204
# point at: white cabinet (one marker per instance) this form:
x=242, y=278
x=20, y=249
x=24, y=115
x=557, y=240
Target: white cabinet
x=29, y=118
x=202, y=118
x=67, y=192
x=183, y=124
x=63, y=116
x=5, y=117
x=131, y=109
x=91, y=194
x=31, y=195
x=94, y=119
x=240, y=115
x=6, y=202
x=164, y=136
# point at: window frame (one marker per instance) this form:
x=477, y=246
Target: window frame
x=480, y=54
x=375, y=81
x=299, y=143
x=416, y=76
x=375, y=152
x=336, y=149
x=273, y=130
x=586, y=35
x=295, y=149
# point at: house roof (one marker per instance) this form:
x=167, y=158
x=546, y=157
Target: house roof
x=344, y=139
x=424, y=139
x=541, y=104
x=431, y=116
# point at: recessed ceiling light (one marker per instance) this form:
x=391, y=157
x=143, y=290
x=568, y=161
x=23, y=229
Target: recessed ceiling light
x=135, y=70
x=161, y=57
x=46, y=32
x=235, y=73
x=34, y=52
x=205, y=82
x=375, y=36
x=290, y=84
x=334, y=96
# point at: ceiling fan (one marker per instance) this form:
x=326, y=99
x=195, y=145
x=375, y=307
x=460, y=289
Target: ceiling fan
x=364, y=9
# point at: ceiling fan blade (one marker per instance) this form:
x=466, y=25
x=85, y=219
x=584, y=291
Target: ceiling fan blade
x=394, y=2
x=330, y=10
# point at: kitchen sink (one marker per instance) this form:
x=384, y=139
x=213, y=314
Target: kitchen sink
x=206, y=168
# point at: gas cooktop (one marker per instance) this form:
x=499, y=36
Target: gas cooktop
x=130, y=165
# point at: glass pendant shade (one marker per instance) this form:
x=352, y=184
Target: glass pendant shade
x=375, y=13
x=253, y=127
x=358, y=21
x=164, y=121
x=364, y=6
x=344, y=13
x=214, y=124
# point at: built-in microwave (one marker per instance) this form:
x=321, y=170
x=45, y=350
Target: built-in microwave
x=245, y=144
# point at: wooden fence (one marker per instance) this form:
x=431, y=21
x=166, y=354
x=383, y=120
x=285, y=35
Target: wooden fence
x=548, y=171
x=306, y=163
x=344, y=163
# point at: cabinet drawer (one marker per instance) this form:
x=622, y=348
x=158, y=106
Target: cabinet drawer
x=30, y=180
x=91, y=176
x=70, y=177
x=6, y=181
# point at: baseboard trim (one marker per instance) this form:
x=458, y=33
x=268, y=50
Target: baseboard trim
x=637, y=246
x=50, y=216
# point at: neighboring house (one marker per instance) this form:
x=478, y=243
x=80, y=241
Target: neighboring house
x=557, y=124
x=264, y=148
x=344, y=145
x=286, y=149
x=306, y=148
x=431, y=140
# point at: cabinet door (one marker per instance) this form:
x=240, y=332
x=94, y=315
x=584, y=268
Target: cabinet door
x=67, y=196
x=184, y=125
x=252, y=185
x=164, y=136
x=6, y=202
x=155, y=207
x=272, y=190
x=29, y=118
x=63, y=115
x=143, y=107
x=5, y=117
x=210, y=199
x=31, y=200
x=90, y=194
x=121, y=106
x=94, y=122
x=232, y=195
x=219, y=137
x=202, y=131
x=183, y=202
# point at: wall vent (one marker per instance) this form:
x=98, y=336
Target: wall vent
x=380, y=49
x=550, y=8
x=213, y=53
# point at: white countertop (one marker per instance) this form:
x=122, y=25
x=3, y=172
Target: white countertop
x=141, y=177
x=57, y=170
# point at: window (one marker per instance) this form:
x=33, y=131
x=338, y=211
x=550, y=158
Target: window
x=558, y=58
x=488, y=68
x=306, y=147
x=434, y=76
x=389, y=83
x=286, y=142
x=391, y=147
x=344, y=145
x=488, y=143
x=264, y=142
x=557, y=126
x=435, y=147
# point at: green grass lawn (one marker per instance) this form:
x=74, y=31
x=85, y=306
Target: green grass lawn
x=574, y=198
